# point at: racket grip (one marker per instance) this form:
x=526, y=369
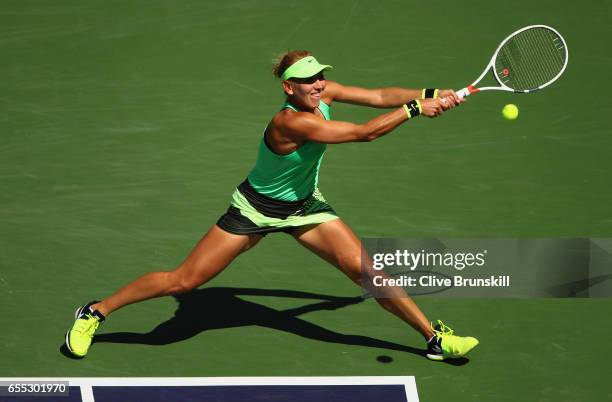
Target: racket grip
x=463, y=92
x=467, y=91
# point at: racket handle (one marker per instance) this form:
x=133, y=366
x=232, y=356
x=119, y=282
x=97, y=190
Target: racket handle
x=467, y=91
x=463, y=92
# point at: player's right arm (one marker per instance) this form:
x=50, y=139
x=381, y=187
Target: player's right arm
x=300, y=126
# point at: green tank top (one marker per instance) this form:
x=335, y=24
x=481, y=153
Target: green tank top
x=290, y=177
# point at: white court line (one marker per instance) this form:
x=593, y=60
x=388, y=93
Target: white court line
x=87, y=394
x=86, y=383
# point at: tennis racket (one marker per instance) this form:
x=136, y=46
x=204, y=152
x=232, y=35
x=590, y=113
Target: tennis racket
x=527, y=60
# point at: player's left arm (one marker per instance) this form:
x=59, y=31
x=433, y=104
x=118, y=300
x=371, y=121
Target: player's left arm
x=379, y=97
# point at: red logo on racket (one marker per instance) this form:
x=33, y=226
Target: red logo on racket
x=505, y=72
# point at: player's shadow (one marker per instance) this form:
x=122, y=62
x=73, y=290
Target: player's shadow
x=221, y=307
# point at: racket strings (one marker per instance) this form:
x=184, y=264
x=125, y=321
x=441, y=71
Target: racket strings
x=535, y=50
x=517, y=53
x=538, y=68
x=548, y=62
x=531, y=59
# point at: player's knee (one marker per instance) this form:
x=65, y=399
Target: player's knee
x=368, y=276
x=180, y=283
x=187, y=284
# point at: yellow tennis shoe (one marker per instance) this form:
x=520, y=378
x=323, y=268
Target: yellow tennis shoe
x=79, y=337
x=445, y=345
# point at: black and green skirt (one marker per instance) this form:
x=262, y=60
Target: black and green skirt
x=252, y=212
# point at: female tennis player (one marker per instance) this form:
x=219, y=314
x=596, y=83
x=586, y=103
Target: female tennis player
x=280, y=194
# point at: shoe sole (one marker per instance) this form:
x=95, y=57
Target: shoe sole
x=437, y=358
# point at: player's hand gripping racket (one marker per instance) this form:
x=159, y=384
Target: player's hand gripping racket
x=527, y=60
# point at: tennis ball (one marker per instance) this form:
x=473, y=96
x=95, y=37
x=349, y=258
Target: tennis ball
x=510, y=112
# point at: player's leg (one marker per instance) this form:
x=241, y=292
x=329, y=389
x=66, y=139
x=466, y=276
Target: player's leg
x=210, y=256
x=336, y=243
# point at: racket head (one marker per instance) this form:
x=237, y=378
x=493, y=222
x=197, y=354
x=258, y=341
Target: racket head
x=530, y=59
